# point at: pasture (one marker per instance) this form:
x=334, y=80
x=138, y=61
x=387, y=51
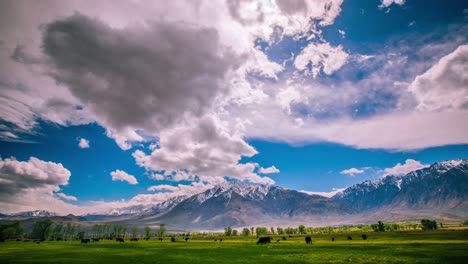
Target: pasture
x=388, y=247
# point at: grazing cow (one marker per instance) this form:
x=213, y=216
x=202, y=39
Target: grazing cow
x=38, y=242
x=220, y=240
x=121, y=240
x=264, y=240
x=134, y=239
x=333, y=239
x=160, y=239
x=172, y=239
x=85, y=240
x=147, y=238
x=290, y=236
x=277, y=240
x=95, y=239
x=186, y=239
x=284, y=238
x=308, y=240
x=216, y=240
x=27, y=240
x=350, y=238
x=364, y=237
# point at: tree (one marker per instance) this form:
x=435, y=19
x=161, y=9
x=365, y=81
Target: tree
x=252, y=230
x=147, y=231
x=228, y=231
x=272, y=230
x=246, y=231
x=234, y=232
x=11, y=231
x=428, y=224
x=134, y=232
x=57, y=231
x=161, y=231
x=261, y=231
x=279, y=231
x=41, y=229
x=301, y=229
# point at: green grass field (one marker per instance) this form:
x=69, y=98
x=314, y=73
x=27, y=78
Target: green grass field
x=390, y=247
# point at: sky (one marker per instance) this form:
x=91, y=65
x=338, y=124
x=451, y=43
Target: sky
x=109, y=104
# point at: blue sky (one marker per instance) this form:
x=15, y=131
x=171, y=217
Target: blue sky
x=266, y=92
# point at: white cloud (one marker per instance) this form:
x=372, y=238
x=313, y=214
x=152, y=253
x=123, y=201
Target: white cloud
x=84, y=143
x=352, y=171
x=157, y=176
x=342, y=33
x=387, y=3
x=30, y=185
x=269, y=170
x=321, y=57
x=205, y=149
x=402, y=169
x=67, y=197
x=119, y=175
x=445, y=85
x=325, y=194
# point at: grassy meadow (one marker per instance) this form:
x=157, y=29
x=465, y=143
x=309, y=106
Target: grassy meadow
x=386, y=247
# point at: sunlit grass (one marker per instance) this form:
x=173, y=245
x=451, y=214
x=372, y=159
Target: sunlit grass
x=389, y=247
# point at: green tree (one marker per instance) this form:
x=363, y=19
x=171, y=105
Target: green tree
x=252, y=230
x=228, y=231
x=134, y=232
x=272, y=230
x=279, y=231
x=11, y=231
x=161, y=231
x=147, y=231
x=234, y=232
x=261, y=231
x=428, y=224
x=41, y=229
x=246, y=231
x=301, y=229
x=57, y=231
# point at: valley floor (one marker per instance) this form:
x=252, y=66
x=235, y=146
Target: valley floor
x=388, y=247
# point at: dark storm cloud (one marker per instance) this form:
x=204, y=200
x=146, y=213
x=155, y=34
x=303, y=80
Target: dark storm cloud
x=146, y=76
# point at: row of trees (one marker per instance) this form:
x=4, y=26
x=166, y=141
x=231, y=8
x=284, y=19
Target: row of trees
x=301, y=229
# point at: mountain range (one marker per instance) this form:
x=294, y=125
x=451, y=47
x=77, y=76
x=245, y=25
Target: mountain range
x=438, y=191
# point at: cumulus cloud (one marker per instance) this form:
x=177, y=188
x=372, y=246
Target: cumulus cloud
x=352, y=171
x=86, y=54
x=66, y=197
x=445, y=85
x=387, y=3
x=119, y=175
x=84, y=143
x=27, y=185
x=269, y=170
x=320, y=57
x=205, y=149
x=402, y=169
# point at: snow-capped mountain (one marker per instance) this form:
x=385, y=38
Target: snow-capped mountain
x=31, y=214
x=441, y=185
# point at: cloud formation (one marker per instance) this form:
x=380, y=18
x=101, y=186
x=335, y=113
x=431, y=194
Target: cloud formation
x=119, y=175
x=402, y=169
x=269, y=170
x=445, y=85
x=84, y=143
x=67, y=197
x=352, y=171
x=320, y=57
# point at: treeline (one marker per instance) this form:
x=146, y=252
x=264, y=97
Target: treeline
x=302, y=230
x=48, y=230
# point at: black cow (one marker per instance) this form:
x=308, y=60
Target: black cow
x=333, y=239
x=85, y=240
x=134, y=239
x=350, y=238
x=186, y=239
x=277, y=240
x=284, y=238
x=172, y=239
x=264, y=240
x=160, y=239
x=220, y=240
x=364, y=237
x=216, y=240
x=95, y=239
x=121, y=240
x=308, y=240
